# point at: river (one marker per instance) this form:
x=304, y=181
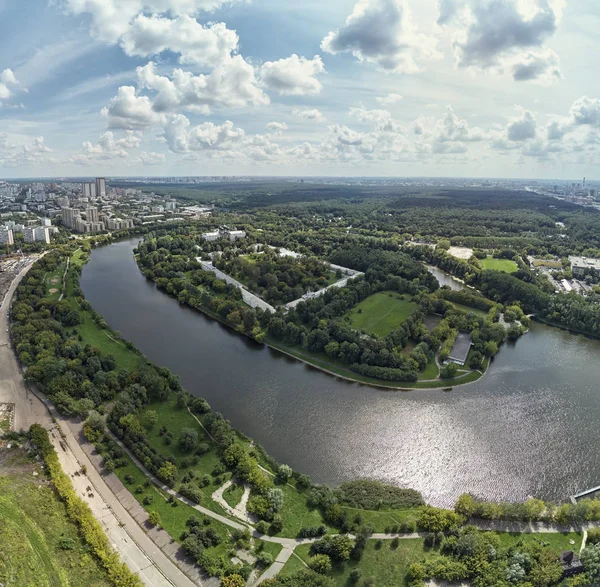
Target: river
x=529, y=427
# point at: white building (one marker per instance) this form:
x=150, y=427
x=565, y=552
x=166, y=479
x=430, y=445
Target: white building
x=46, y=222
x=42, y=234
x=29, y=234
x=6, y=236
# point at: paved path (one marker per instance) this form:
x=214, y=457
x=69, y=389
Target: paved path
x=133, y=545
x=240, y=511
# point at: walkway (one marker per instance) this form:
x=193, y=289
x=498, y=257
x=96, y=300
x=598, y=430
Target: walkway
x=64, y=279
x=249, y=298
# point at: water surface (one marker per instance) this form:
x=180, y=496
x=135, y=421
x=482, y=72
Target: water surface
x=529, y=427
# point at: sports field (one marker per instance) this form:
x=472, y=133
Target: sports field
x=381, y=313
x=506, y=265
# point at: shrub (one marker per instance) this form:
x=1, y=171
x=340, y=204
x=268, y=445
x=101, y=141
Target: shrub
x=320, y=563
x=188, y=439
x=154, y=518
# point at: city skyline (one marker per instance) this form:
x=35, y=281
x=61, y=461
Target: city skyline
x=207, y=87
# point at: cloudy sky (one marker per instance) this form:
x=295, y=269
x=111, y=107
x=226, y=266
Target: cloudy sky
x=497, y=88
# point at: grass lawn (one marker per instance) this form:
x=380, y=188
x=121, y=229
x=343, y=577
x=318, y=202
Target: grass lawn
x=233, y=494
x=469, y=309
x=53, y=282
x=387, y=566
x=556, y=541
x=90, y=331
x=42, y=546
x=506, y=265
x=383, y=520
x=173, y=516
x=431, y=370
x=381, y=313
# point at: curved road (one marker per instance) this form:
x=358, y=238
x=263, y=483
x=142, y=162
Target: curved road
x=127, y=537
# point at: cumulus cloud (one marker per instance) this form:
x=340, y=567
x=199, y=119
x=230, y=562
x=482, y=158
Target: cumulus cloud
x=150, y=158
x=206, y=46
x=130, y=111
x=452, y=128
x=107, y=148
x=231, y=84
x=294, y=76
x=8, y=84
x=542, y=67
x=225, y=141
x=522, y=128
x=182, y=137
x=380, y=119
x=501, y=34
x=29, y=155
x=389, y=99
x=111, y=19
x=309, y=114
x=276, y=126
x=586, y=111
x=382, y=32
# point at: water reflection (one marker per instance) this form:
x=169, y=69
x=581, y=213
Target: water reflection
x=529, y=427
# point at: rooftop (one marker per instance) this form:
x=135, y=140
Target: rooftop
x=585, y=262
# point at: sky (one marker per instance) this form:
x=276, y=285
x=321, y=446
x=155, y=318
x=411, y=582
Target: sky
x=468, y=88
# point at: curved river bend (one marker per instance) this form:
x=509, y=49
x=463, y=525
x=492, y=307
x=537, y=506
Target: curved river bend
x=529, y=427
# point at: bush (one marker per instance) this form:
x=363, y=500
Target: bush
x=148, y=500
x=262, y=527
x=188, y=439
x=154, y=518
x=320, y=563
x=371, y=495
x=448, y=371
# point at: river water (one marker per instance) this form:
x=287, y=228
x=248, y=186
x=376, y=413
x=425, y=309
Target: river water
x=529, y=427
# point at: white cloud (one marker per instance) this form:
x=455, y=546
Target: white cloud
x=107, y=148
x=276, y=126
x=586, y=111
x=522, y=128
x=309, y=114
x=8, y=84
x=504, y=34
x=27, y=156
x=389, y=99
x=111, y=19
x=231, y=84
x=130, y=111
x=294, y=76
x=207, y=46
x=181, y=137
x=150, y=158
x=380, y=119
x=452, y=128
x=382, y=32
x=542, y=67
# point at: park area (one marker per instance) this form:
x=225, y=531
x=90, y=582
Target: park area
x=381, y=313
x=505, y=265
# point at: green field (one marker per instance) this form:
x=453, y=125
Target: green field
x=233, y=494
x=506, y=265
x=42, y=547
x=386, y=566
x=89, y=330
x=381, y=313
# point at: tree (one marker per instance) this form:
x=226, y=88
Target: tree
x=476, y=360
x=449, y=371
x=188, y=439
x=284, y=473
x=590, y=557
x=437, y=520
x=167, y=473
x=320, y=563
x=233, y=581
x=150, y=418
x=154, y=518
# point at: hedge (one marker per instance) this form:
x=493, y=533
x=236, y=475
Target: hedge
x=80, y=513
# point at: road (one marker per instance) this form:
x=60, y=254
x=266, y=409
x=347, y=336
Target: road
x=131, y=542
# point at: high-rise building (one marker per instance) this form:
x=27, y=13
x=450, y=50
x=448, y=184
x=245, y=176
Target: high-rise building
x=92, y=215
x=46, y=222
x=101, y=187
x=6, y=236
x=70, y=216
x=88, y=189
x=29, y=234
x=41, y=234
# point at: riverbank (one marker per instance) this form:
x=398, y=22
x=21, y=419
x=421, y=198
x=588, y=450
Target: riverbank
x=325, y=365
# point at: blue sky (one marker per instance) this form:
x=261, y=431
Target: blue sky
x=345, y=87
